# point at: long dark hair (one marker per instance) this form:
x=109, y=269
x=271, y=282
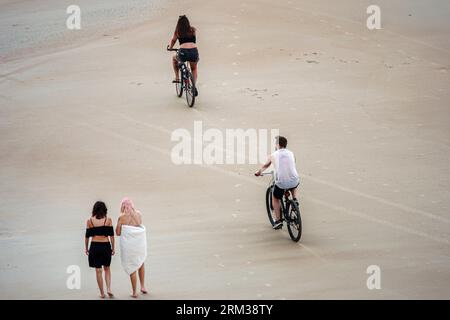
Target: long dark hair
x=184, y=28
x=99, y=211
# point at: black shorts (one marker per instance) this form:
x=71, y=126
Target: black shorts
x=278, y=192
x=190, y=55
x=100, y=254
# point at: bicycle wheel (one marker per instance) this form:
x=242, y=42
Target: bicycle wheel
x=190, y=89
x=269, y=206
x=179, y=85
x=295, y=222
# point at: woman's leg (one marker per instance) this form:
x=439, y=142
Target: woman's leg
x=194, y=70
x=98, y=273
x=142, y=278
x=108, y=280
x=175, y=67
x=133, y=284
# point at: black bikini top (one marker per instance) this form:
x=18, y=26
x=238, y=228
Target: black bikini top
x=185, y=39
x=103, y=230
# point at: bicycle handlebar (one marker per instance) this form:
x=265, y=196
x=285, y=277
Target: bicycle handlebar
x=266, y=173
x=173, y=49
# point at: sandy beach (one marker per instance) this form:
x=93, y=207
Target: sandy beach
x=89, y=116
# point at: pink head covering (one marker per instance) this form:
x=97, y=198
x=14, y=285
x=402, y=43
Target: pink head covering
x=126, y=206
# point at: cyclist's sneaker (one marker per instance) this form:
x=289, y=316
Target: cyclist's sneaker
x=277, y=225
x=196, y=91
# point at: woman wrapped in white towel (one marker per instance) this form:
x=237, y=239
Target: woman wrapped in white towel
x=133, y=244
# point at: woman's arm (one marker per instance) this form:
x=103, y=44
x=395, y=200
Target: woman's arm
x=118, y=227
x=139, y=217
x=173, y=40
x=86, y=240
x=111, y=238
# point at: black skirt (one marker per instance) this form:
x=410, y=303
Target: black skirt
x=100, y=254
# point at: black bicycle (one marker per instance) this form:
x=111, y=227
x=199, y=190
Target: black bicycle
x=186, y=83
x=290, y=210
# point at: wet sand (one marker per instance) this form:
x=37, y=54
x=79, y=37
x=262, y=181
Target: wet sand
x=365, y=112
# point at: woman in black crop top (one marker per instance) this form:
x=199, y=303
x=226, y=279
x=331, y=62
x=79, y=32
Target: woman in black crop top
x=100, y=230
x=186, y=36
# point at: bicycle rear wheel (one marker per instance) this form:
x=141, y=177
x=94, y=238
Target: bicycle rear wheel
x=269, y=206
x=190, y=89
x=179, y=85
x=295, y=222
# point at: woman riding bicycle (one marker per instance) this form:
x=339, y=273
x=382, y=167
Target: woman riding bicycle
x=186, y=36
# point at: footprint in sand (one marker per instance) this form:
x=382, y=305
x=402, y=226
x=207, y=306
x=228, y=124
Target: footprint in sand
x=312, y=61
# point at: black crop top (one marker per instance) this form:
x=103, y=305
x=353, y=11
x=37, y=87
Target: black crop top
x=99, y=231
x=187, y=39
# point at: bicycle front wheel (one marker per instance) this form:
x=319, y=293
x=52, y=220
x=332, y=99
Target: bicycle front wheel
x=190, y=90
x=269, y=206
x=295, y=222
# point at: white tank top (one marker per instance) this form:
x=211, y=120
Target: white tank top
x=286, y=176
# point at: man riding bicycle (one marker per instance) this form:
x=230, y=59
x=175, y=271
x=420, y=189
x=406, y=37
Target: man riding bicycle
x=286, y=176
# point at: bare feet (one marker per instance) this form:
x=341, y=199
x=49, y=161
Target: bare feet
x=110, y=294
x=144, y=291
x=134, y=295
x=102, y=296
